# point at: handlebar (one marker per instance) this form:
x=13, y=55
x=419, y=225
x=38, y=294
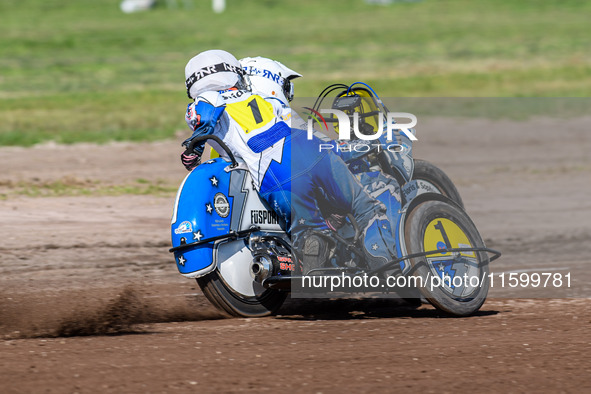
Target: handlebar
x=218, y=140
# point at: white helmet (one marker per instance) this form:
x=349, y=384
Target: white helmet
x=270, y=78
x=213, y=70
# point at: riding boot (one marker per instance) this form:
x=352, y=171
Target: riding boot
x=316, y=252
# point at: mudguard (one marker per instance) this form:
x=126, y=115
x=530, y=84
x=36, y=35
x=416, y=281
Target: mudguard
x=212, y=202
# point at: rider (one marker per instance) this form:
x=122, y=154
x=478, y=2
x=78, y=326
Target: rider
x=254, y=130
x=273, y=80
x=270, y=79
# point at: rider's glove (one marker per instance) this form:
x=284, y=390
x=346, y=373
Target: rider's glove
x=190, y=160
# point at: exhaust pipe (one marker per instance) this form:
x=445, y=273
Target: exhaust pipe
x=261, y=268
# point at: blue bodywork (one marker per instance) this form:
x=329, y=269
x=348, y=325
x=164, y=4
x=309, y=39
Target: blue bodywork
x=203, y=209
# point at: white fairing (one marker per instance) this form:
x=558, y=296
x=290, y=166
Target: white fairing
x=233, y=262
x=255, y=212
x=233, y=259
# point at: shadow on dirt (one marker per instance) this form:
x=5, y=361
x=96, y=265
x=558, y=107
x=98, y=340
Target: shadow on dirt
x=345, y=309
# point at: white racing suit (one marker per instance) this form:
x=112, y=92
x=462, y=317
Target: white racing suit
x=288, y=169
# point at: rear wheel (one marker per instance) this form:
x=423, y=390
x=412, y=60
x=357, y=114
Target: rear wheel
x=261, y=302
x=232, y=288
x=454, y=282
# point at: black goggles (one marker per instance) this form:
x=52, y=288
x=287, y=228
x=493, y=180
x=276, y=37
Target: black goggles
x=288, y=89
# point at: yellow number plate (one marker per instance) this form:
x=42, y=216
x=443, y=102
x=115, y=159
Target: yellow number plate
x=251, y=113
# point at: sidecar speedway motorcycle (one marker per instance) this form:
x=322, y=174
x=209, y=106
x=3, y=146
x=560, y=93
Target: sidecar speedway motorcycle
x=226, y=237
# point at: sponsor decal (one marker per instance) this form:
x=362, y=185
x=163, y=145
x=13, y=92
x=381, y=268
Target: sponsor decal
x=286, y=267
x=216, y=68
x=263, y=217
x=232, y=94
x=221, y=205
x=184, y=227
x=285, y=263
x=261, y=72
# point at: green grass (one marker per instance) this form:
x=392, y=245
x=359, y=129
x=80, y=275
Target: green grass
x=81, y=70
x=70, y=186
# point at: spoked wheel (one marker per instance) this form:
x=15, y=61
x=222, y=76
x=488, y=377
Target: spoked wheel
x=232, y=289
x=454, y=282
x=432, y=179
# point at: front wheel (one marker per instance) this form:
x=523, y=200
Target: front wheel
x=454, y=282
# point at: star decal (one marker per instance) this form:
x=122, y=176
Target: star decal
x=441, y=267
x=198, y=235
x=302, y=221
x=182, y=260
x=208, y=208
x=214, y=181
x=375, y=246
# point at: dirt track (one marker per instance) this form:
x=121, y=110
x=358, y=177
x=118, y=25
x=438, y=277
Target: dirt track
x=99, y=265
